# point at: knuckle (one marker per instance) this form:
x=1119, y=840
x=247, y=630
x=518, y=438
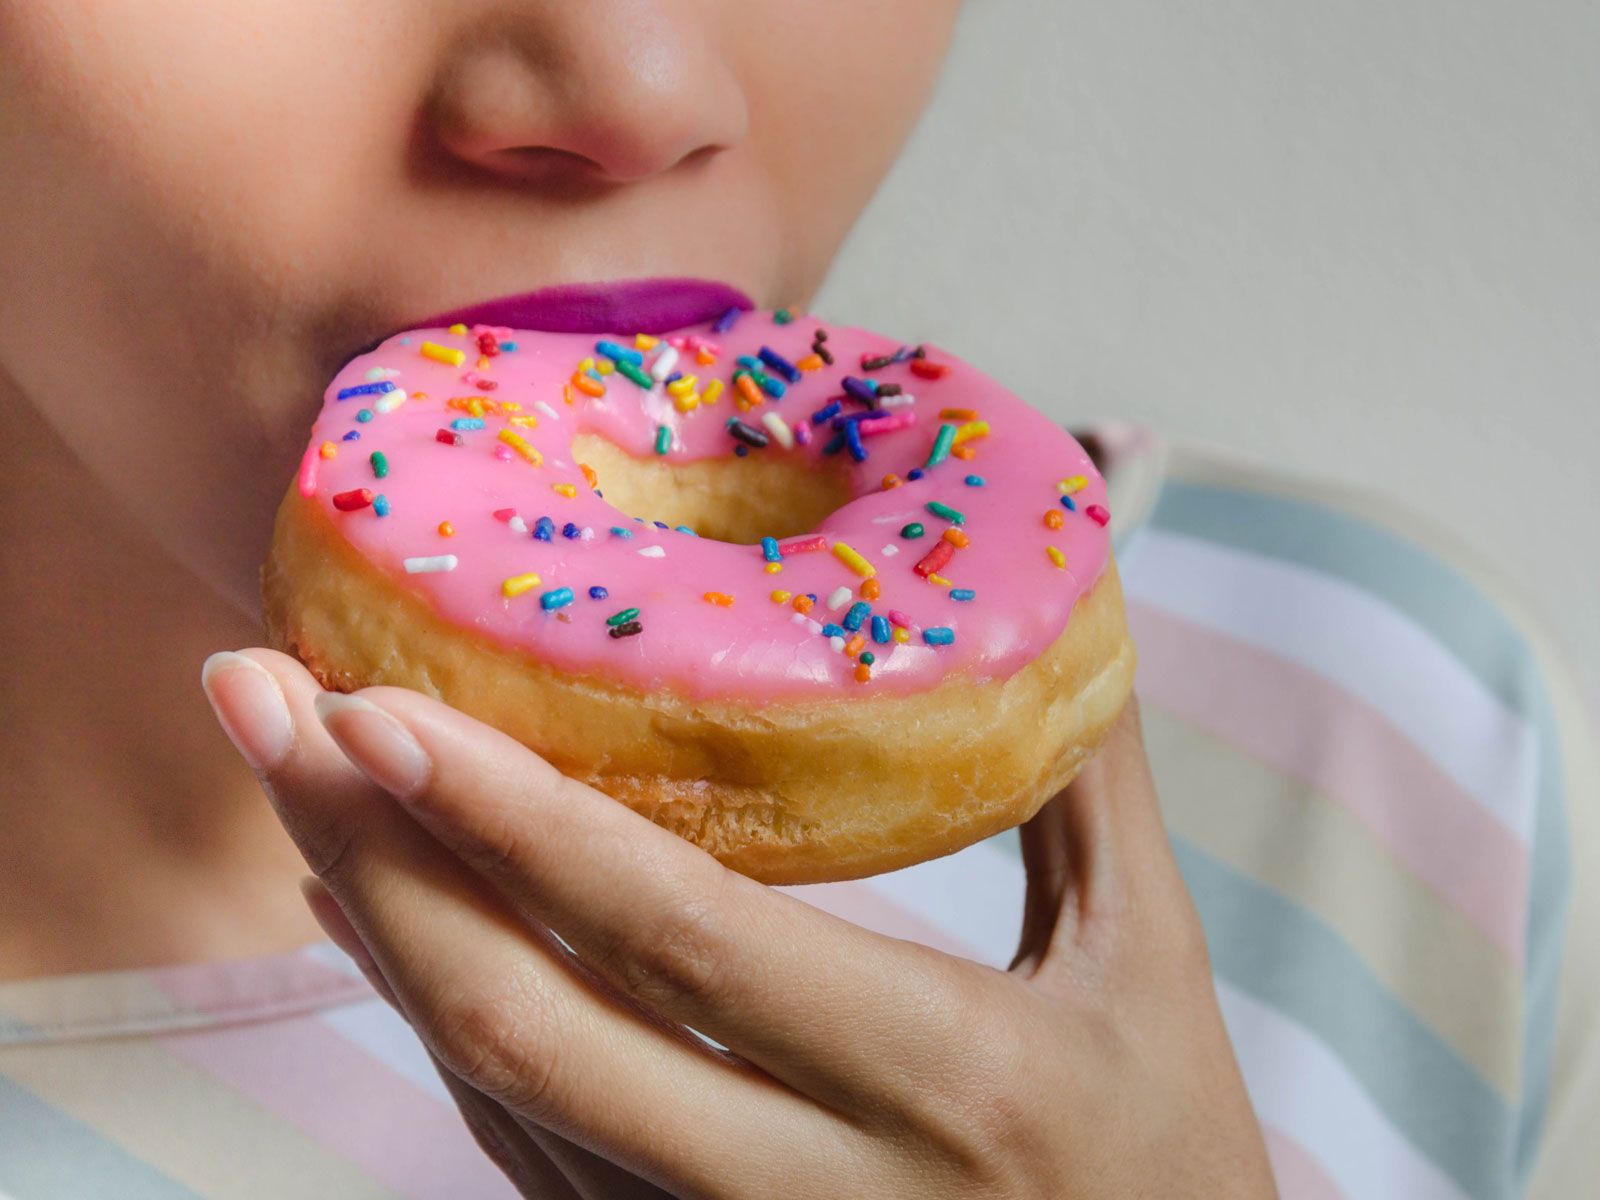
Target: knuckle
x=677, y=957
x=499, y=1042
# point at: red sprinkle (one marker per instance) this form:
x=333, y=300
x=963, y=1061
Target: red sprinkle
x=350, y=501
x=449, y=437
x=803, y=545
x=487, y=346
x=935, y=559
x=929, y=370
x=504, y=514
x=1097, y=514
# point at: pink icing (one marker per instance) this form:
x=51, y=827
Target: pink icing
x=755, y=648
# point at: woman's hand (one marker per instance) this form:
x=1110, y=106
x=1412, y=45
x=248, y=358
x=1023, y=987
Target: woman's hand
x=858, y=1065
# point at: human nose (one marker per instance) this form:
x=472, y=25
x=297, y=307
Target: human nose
x=599, y=92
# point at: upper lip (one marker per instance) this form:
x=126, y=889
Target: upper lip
x=623, y=306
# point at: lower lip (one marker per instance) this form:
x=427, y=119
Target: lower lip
x=629, y=306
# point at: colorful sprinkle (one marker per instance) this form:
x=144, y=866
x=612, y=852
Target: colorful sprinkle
x=449, y=438
x=726, y=321
x=942, y=442
x=446, y=354
x=569, y=490
x=626, y=630
x=429, y=563
x=623, y=617
x=619, y=531
x=1058, y=558
x=570, y=530
x=929, y=370
x=380, y=465
x=780, y=597
x=770, y=550
x=663, y=438
x=935, y=559
x=352, y=500
x=956, y=538
x=1053, y=518
x=1069, y=504
x=779, y=429
x=618, y=353
x=1097, y=514
x=870, y=589
x=748, y=434
x=881, y=631
x=328, y=449
x=974, y=481
x=628, y=371
x=1073, y=483
x=838, y=598
x=913, y=530
x=721, y=599
x=446, y=529
x=598, y=593
x=544, y=529
x=945, y=511
x=515, y=440
x=939, y=635
x=713, y=392
x=803, y=545
x=962, y=594
x=859, y=611
x=466, y=424
x=515, y=585
x=972, y=430
x=853, y=560
x=653, y=552
x=555, y=598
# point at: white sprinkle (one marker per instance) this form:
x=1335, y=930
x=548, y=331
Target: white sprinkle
x=518, y=525
x=653, y=552
x=839, y=598
x=800, y=619
x=587, y=534
x=375, y=374
x=896, y=401
x=434, y=562
x=546, y=410
x=389, y=401
x=814, y=624
x=837, y=643
x=665, y=361
x=779, y=429
x=890, y=550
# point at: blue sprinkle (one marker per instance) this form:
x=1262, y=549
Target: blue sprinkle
x=852, y=438
x=962, y=593
x=556, y=598
x=832, y=630
x=881, y=633
x=365, y=389
x=508, y=345
x=640, y=520
x=939, y=635
x=772, y=387
x=618, y=353
x=594, y=374
x=741, y=450
x=364, y=415
x=466, y=424
x=661, y=525
x=914, y=474
x=570, y=530
x=353, y=436
x=780, y=364
x=835, y=444
x=543, y=529
x=380, y=504
x=726, y=320
x=1066, y=503
x=598, y=593
x=769, y=549
x=811, y=596
x=749, y=362
x=973, y=480
x=857, y=614
x=825, y=414
x=686, y=529
x=674, y=377
x=619, y=531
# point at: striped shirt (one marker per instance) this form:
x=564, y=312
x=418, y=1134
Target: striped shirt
x=1381, y=786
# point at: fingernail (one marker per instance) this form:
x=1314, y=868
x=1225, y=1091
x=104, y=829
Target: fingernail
x=376, y=742
x=250, y=707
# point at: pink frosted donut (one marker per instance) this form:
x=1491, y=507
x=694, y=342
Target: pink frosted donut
x=821, y=602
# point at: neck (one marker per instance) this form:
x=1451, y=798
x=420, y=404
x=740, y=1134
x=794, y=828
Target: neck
x=131, y=835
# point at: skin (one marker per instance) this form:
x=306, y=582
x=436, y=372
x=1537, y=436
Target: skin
x=209, y=207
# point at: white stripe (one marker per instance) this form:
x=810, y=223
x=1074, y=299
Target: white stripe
x=1301, y=1088
x=1366, y=647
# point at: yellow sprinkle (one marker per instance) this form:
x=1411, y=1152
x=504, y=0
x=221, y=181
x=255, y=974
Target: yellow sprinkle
x=518, y=584
x=722, y=598
x=682, y=387
x=475, y=406
x=515, y=441
x=643, y=341
x=606, y=366
x=458, y=328
x=483, y=362
x=686, y=403
x=939, y=579
x=327, y=449
x=1056, y=556
x=902, y=635
x=525, y=422
x=781, y=597
x=566, y=489
x=1074, y=483
x=446, y=529
x=587, y=365
x=853, y=560
x=972, y=429
x=448, y=355
x=510, y=406
x=713, y=390
x=773, y=568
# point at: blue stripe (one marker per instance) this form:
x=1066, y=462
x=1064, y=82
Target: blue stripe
x=45, y=1154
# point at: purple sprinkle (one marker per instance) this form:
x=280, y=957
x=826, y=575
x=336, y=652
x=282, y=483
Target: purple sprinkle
x=598, y=593
x=726, y=320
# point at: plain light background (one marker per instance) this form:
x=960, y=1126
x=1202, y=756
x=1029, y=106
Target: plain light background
x=1360, y=240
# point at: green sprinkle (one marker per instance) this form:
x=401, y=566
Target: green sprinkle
x=623, y=617
x=867, y=658
x=945, y=511
x=380, y=464
x=782, y=317
x=663, y=439
x=941, y=445
x=913, y=530
x=634, y=373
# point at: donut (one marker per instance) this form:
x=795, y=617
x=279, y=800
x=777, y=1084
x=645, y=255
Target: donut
x=821, y=602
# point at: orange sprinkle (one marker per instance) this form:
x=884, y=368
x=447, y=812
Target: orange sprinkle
x=1053, y=519
x=483, y=362
x=811, y=362
x=802, y=604
x=863, y=672
x=587, y=384
x=704, y=357
x=891, y=481
x=964, y=451
x=566, y=394
x=748, y=389
x=870, y=590
x=327, y=449
x=446, y=529
x=569, y=490
x=773, y=568
x=956, y=538
x=588, y=475
x=722, y=598
x=855, y=645
x=1056, y=557
x=957, y=414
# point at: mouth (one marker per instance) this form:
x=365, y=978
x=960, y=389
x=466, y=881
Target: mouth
x=625, y=306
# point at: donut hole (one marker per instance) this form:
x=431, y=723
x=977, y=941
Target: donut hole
x=740, y=500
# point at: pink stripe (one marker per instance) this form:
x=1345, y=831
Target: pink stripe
x=1300, y=723
x=257, y=988
x=858, y=902
x=1299, y=1176
x=314, y=1080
